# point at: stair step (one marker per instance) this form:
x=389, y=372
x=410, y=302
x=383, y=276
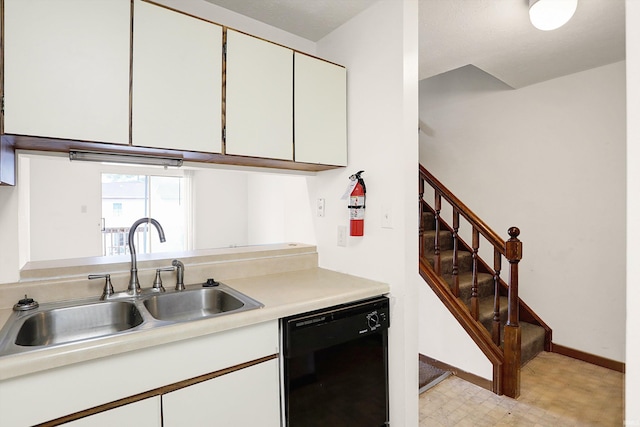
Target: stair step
x=429, y=236
x=465, y=282
x=485, y=311
x=465, y=260
x=428, y=221
x=532, y=341
x=532, y=336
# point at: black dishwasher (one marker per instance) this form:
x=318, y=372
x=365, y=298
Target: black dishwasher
x=336, y=366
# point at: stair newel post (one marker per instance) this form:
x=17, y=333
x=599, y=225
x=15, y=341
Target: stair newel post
x=436, y=240
x=497, y=266
x=475, y=244
x=454, y=270
x=512, y=332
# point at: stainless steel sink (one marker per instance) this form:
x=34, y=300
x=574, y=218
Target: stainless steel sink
x=195, y=304
x=61, y=325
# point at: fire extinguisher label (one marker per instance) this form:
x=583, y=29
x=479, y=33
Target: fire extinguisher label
x=350, y=187
x=356, y=214
x=357, y=207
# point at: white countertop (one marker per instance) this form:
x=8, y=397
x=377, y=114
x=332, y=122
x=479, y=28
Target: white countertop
x=283, y=294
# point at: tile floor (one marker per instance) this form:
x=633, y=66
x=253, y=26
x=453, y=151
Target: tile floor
x=554, y=391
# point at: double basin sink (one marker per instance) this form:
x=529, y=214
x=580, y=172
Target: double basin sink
x=65, y=322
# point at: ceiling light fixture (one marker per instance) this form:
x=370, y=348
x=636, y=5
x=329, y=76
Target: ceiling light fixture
x=547, y=15
x=96, y=156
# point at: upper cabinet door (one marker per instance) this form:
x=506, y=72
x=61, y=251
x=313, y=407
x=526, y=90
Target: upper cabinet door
x=320, y=111
x=177, y=80
x=66, y=68
x=259, y=98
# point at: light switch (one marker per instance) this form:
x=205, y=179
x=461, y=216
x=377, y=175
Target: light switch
x=342, y=235
x=386, y=216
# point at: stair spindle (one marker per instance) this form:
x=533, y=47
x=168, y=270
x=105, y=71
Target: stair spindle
x=436, y=240
x=497, y=266
x=454, y=269
x=475, y=244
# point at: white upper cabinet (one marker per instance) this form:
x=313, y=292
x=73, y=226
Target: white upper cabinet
x=177, y=80
x=66, y=68
x=320, y=111
x=259, y=94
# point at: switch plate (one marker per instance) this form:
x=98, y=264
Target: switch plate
x=320, y=207
x=342, y=235
x=386, y=216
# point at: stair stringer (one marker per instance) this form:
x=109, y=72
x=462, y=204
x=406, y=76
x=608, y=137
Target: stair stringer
x=474, y=329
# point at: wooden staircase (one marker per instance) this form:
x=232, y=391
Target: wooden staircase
x=489, y=309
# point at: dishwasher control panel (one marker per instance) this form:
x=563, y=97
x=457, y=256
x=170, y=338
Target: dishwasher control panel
x=376, y=319
x=335, y=325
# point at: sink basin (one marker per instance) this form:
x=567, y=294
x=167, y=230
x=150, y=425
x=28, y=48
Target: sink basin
x=196, y=304
x=62, y=325
x=68, y=322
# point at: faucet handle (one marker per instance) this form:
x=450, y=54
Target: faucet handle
x=179, y=274
x=108, y=287
x=157, y=283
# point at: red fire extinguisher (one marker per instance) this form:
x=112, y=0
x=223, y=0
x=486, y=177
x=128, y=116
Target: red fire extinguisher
x=356, y=205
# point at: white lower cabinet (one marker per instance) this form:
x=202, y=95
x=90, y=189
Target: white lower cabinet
x=247, y=397
x=145, y=413
x=251, y=393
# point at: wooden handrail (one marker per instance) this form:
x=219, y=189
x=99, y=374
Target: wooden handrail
x=482, y=227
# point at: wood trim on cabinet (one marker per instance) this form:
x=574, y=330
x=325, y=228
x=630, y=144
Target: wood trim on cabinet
x=131, y=12
x=34, y=143
x=223, y=93
x=153, y=393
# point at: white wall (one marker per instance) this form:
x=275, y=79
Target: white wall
x=279, y=209
x=550, y=159
x=219, y=208
x=379, y=49
x=9, y=253
x=65, y=204
x=632, y=377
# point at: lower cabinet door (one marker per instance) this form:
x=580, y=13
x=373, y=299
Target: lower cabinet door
x=145, y=413
x=247, y=397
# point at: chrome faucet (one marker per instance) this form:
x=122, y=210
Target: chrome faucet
x=134, y=284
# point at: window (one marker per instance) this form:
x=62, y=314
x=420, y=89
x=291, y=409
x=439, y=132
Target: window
x=127, y=198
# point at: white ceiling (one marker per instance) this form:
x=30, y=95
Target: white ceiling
x=493, y=35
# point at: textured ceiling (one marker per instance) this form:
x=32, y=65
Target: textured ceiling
x=493, y=35
x=497, y=37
